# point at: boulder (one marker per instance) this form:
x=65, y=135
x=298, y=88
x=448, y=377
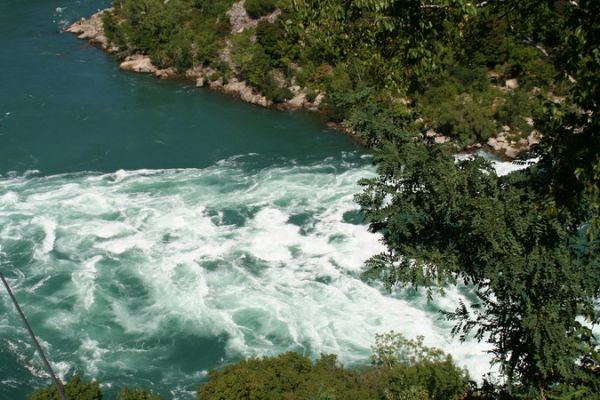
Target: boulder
x=297, y=101
x=92, y=29
x=138, y=63
x=512, y=84
x=512, y=152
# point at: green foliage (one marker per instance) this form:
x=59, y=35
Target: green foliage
x=75, y=389
x=461, y=104
x=268, y=35
x=177, y=33
x=113, y=33
x=516, y=108
x=428, y=374
x=391, y=69
x=255, y=66
x=136, y=394
x=258, y=8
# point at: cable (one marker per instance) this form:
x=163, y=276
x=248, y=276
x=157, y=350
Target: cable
x=57, y=382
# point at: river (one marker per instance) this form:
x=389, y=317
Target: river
x=153, y=231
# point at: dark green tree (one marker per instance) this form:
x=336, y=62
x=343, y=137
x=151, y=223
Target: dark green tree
x=527, y=243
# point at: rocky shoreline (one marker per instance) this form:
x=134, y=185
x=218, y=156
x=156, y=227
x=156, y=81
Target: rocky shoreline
x=92, y=30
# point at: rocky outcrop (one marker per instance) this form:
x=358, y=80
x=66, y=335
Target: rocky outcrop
x=246, y=93
x=436, y=137
x=512, y=148
x=138, y=63
x=142, y=63
x=92, y=30
x=240, y=20
x=301, y=99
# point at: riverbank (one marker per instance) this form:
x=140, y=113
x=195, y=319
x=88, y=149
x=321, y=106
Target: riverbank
x=92, y=30
x=504, y=144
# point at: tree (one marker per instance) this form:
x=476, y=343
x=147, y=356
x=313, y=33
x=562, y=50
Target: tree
x=527, y=243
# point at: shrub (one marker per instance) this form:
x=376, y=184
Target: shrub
x=75, y=389
x=517, y=106
x=136, y=394
x=268, y=35
x=428, y=374
x=112, y=30
x=258, y=8
x=459, y=112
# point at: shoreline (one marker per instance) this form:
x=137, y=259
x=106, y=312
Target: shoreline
x=92, y=30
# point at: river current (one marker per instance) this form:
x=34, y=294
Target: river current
x=153, y=231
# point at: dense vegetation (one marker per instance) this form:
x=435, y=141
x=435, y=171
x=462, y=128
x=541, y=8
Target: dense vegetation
x=76, y=389
x=441, y=65
x=526, y=243
x=401, y=369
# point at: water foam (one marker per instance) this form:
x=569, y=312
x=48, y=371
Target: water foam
x=263, y=260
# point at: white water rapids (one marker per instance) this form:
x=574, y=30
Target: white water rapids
x=260, y=262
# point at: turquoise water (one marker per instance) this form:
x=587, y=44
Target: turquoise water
x=153, y=231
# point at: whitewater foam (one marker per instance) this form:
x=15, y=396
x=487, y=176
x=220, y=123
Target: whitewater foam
x=261, y=260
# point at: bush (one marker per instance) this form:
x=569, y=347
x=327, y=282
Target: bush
x=428, y=374
x=112, y=30
x=75, y=389
x=258, y=8
x=268, y=35
x=455, y=111
x=136, y=394
x=517, y=106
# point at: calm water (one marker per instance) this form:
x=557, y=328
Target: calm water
x=153, y=231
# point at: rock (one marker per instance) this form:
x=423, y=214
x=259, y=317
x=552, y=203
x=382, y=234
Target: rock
x=533, y=138
x=431, y=133
x=492, y=142
x=295, y=89
x=297, y=101
x=441, y=139
x=318, y=100
x=245, y=92
x=529, y=121
x=512, y=152
x=194, y=73
x=164, y=73
x=523, y=143
x=218, y=84
x=200, y=81
x=138, y=63
x=92, y=29
x=240, y=20
x=512, y=84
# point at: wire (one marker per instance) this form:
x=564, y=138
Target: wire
x=57, y=382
